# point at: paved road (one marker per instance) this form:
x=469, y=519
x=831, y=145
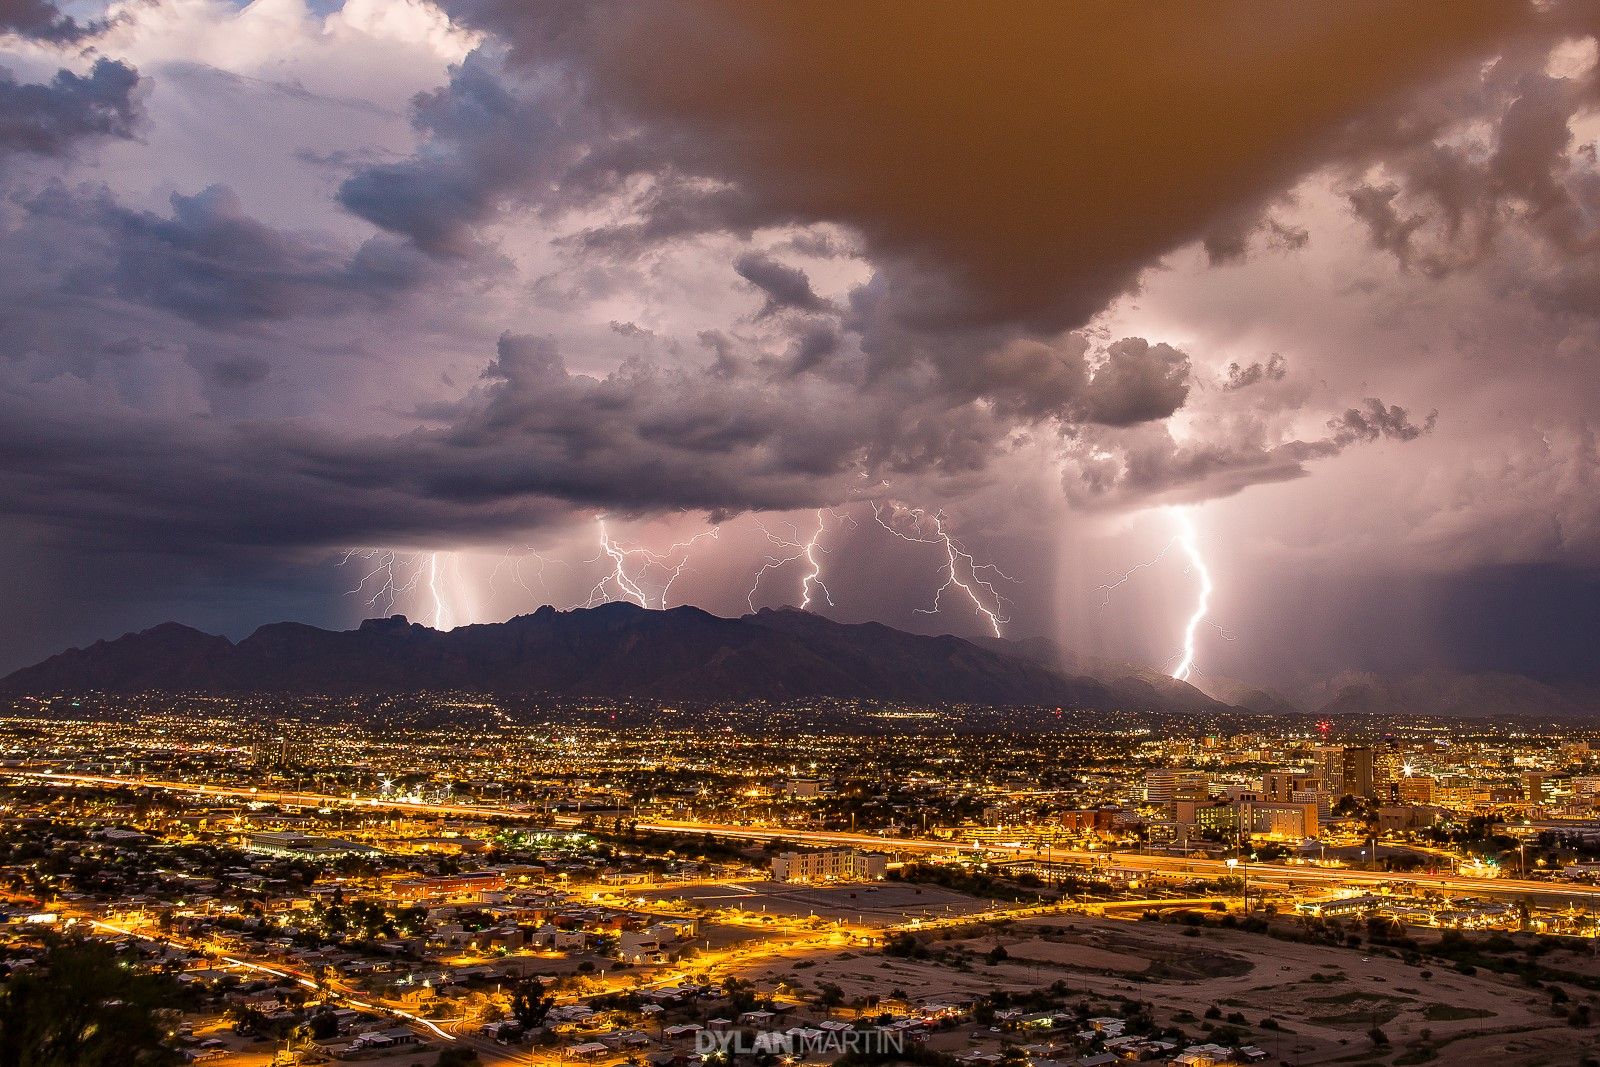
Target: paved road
x=1167, y=866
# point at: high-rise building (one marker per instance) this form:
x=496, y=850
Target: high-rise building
x=1330, y=765
x=1163, y=785
x=1535, y=787
x=1278, y=785
x=1292, y=821
x=1357, y=776
x=1159, y=785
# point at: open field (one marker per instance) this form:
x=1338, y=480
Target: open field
x=1322, y=999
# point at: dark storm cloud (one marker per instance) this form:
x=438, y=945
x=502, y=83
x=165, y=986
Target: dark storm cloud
x=1503, y=169
x=1138, y=382
x=49, y=119
x=814, y=346
x=1146, y=464
x=1275, y=369
x=487, y=136
x=532, y=443
x=996, y=215
x=41, y=20
x=1229, y=240
x=785, y=287
x=240, y=372
x=212, y=263
x=1003, y=170
x=1376, y=420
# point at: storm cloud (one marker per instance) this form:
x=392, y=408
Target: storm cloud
x=50, y=119
x=1044, y=269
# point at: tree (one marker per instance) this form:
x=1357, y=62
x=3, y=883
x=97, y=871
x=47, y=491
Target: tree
x=82, y=1007
x=323, y=1025
x=529, y=1004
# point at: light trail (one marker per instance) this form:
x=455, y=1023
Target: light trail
x=1188, y=538
x=1181, y=866
x=957, y=559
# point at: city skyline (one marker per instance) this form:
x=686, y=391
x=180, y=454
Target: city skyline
x=1291, y=313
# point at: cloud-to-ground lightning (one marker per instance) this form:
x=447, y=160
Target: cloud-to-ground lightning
x=668, y=562
x=392, y=574
x=957, y=561
x=1188, y=538
x=811, y=581
x=441, y=611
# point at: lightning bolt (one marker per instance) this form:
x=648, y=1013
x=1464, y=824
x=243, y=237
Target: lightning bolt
x=380, y=578
x=392, y=574
x=957, y=560
x=1127, y=575
x=441, y=614
x=631, y=587
x=1188, y=539
x=513, y=560
x=807, y=550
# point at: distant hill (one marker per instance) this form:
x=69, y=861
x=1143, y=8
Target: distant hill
x=1131, y=684
x=1449, y=693
x=615, y=650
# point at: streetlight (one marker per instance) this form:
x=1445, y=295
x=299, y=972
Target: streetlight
x=1244, y=880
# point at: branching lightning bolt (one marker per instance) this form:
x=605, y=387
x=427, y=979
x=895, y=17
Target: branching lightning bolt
x=393, y=573
x=1189, y=540
x=631, y=587
x=811, y=582
x=957, y=559
x=381, y=580
x=513, y=560
x=1127, y=575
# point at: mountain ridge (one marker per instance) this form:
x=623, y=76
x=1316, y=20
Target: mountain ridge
x=616, y=650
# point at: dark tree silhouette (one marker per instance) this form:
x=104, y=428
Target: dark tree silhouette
x=83, y=1007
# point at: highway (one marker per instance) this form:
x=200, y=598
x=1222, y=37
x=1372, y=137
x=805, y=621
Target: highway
x=1278, y=875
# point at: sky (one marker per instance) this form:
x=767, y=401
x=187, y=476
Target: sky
x=944, y=315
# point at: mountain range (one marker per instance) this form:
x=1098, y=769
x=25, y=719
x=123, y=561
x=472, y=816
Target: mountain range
x=621, y=650
x=615, y=650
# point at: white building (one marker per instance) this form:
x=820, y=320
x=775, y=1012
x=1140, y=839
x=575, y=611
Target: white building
x=832, y=865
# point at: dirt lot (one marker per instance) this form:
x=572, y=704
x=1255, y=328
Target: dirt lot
x=1325, y=999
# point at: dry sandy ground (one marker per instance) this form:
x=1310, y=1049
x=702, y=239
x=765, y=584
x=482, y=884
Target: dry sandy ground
x=1325, y=998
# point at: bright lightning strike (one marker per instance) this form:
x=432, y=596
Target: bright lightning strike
x=1188, y=539
x=811, y=582
x=441, y=614
x=957, y=561
x=382, y=580
x=669, y=562
x=392, y=574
